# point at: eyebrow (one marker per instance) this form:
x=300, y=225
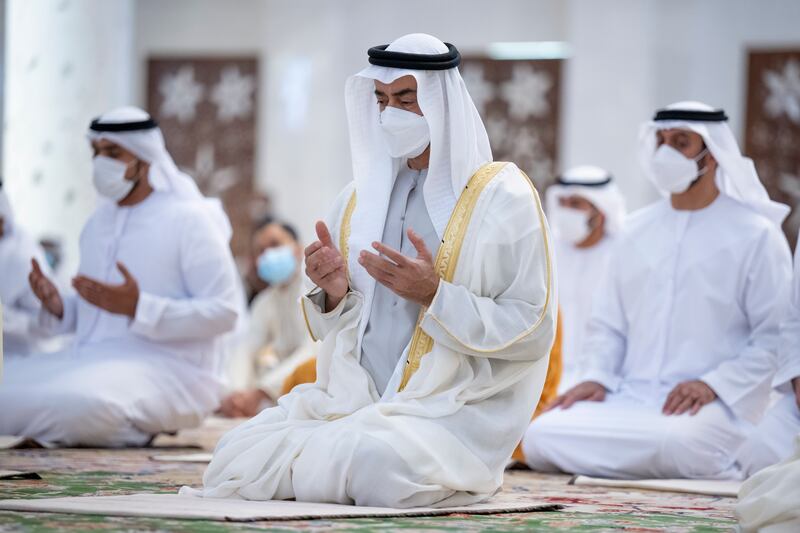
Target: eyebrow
x=401, y=92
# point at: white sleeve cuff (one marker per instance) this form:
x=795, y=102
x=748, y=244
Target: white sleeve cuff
x=149, y=310
x=319, y=322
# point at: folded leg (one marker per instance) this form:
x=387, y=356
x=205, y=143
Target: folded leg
x=621, y=438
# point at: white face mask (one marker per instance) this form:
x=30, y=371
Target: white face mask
x=672, y=171
x=571, y=224
x=108, y=175
x=406, y=133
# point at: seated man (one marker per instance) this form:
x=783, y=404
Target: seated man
x=773, y=439
x=157, y=287
x=683, y=334
x=429, y=369
x=276, y=341
x=20, y=305
x=586, y=211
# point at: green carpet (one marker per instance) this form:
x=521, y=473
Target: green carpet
x=106, y=472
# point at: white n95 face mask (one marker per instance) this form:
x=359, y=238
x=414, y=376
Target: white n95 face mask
x=406, y=133
x=108, y=175
x=672, y=171
x=571, y=225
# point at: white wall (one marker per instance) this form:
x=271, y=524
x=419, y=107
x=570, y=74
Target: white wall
x=628, y=58
x=701, y=48
x=303, y=165
x=609, y=89
x=633, y=56
x=66, y=62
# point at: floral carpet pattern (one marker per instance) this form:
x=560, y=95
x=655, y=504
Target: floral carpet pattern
x=78, y=472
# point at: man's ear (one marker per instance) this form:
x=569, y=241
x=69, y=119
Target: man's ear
x=142, y=169
x=711, y=160
x=598, y=219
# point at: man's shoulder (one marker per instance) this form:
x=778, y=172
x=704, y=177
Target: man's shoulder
x=740, y=217
x=187, y=209
x=512, y=183
x=509, y=199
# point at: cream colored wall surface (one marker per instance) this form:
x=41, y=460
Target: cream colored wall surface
x=307, y=49
x=66, y=62
x=73, y=59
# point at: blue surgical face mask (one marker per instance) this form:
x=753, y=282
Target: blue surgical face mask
x=277, y=265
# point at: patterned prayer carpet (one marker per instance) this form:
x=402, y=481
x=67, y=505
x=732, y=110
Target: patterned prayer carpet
x=78, y=472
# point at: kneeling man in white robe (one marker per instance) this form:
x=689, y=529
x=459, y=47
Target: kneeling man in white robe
x=684, y=332
x=775, y=437
x=156, y=289
x=434, y=305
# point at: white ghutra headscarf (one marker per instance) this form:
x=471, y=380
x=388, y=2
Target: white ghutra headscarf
x=736, y=174
x=597, y=186
x=459, y=144
x=138, y=133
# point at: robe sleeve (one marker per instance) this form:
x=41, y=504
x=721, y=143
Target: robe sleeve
x=789, y=350
x=509, y=310
x=766, y=286
x=607, y=330
x=318, y=322
x=209, y=276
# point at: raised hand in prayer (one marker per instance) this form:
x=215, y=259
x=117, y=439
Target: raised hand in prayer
x=325, y=267
x=796, y=387
x=45, y=290
x=688, y=396
x=588, y=391
x=119, y=299
x=411, y=278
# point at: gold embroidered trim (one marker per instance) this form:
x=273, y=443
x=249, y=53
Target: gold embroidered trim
x=547, y=298
x=447, y=257
x=305, y=317
x=344, y=233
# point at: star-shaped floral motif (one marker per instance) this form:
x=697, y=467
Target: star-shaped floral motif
x=526, y=92
x=233, y=94
x=784, y=91
x=181, y=93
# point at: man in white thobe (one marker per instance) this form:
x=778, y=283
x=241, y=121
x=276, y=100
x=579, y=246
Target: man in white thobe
x=427, y=374
x=20, y=305
x=276, y=341
x=155, y=291
x=586, y=211
x=774, y=439
x=684, y=332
